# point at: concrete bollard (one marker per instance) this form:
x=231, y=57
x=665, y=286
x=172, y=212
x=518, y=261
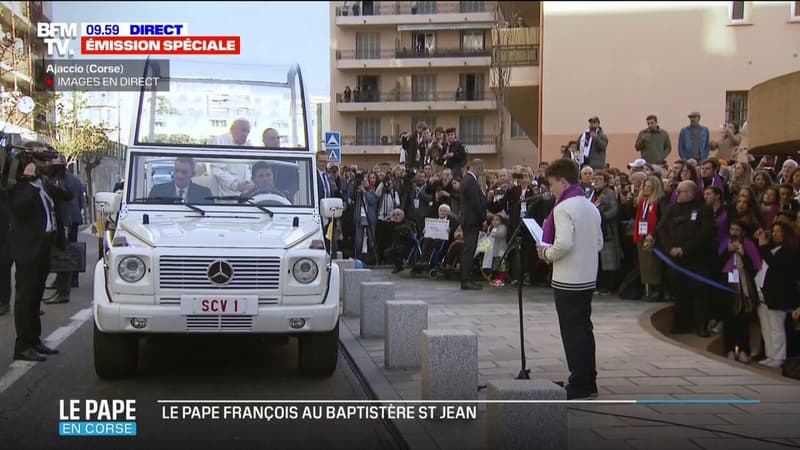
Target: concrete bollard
x=404, y=322
x=449, y=365
x=373, y=304
x=352, y=290
x=520, y=425
x=343, y=265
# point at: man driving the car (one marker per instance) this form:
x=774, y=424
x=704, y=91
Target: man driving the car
x=263, y=178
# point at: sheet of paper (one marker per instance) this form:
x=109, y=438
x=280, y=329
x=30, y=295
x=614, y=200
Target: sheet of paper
x=534, y=229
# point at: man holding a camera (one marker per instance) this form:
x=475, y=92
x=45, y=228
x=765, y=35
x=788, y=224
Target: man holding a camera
x=35, y=226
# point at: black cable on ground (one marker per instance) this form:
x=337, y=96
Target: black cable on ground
x=699, y=428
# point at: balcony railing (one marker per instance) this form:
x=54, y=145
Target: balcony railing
x=413, y=8
x=406, y=53
x=442, y=53
x=406, y=96
x=395, y=140
x=516, y=55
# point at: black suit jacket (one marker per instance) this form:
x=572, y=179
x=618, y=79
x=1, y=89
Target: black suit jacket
x=5, y=218
x=459, y=158
x=473, y=201
x=29, y=222
x=321, y=189
x=415, y=153
x=196, y=194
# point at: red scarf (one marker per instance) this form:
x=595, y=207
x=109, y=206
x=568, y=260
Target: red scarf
x=652, y=220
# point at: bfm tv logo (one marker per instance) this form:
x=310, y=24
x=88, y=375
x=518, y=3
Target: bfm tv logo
x=97, y=418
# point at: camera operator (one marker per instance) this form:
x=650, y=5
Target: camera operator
x=35, y=227
x=70, y=218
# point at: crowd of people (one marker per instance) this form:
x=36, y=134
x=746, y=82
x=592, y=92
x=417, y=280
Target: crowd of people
x=715, y=232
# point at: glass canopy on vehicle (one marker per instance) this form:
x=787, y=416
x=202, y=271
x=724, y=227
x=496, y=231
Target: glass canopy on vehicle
x=223, y=105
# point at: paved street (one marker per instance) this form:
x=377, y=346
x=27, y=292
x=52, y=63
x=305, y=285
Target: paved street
x=633, y=363
x=174, y=368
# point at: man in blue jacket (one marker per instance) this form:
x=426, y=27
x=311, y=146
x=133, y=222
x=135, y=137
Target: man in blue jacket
x=693, y=141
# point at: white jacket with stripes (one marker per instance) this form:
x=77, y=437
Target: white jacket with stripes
x=578, y=240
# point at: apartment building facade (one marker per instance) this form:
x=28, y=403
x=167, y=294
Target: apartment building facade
x=622, y=61
x=396, y=63
x=19, y=49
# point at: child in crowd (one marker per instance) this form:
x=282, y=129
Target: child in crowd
x=497, y=248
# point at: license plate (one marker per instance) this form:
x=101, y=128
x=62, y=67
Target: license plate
x=219, y=305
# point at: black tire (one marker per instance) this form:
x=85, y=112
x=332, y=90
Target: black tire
x=318, y=353
x=115, y=355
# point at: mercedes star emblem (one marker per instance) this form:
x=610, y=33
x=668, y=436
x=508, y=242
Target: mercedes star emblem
x=220, y=272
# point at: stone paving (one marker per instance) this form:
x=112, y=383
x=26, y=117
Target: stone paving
x=633, y=363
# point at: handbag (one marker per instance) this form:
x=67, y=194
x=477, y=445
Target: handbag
x=70, y=259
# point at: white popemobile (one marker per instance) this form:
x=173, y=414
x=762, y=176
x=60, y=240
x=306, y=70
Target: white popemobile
x=187, y=256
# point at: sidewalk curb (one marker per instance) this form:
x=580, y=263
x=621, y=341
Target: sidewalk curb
x=646, y=323
x=414, y=435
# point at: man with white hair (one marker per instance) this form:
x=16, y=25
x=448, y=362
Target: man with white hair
x=587, y=175
x=233, y=179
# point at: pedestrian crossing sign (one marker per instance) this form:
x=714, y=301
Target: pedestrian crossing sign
x=333, y=140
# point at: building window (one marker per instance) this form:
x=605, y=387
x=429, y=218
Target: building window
x=471, y=85
x=160, y=124
x=736, y=107
x=472, y=6
x=368, y=131
x=739, y=12
x=795, y=11
x=368, y=45
x=423, y=88
x=423, y=7
x=470, y=130
x=219, y=123
x=424, y=42
x=472, y=40
x=516, y=131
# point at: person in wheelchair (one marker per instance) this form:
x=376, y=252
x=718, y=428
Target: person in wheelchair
x=263, y=178
x=452, y=257
x=402, y=236
x=430, y=245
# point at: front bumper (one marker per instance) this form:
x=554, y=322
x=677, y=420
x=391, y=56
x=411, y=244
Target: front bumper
x=271, y=319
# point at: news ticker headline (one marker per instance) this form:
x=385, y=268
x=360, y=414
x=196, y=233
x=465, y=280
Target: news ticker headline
x=121, y=75
x=111, y=418
x=126, y=38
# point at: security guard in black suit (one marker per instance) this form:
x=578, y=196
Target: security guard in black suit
x=35, y=226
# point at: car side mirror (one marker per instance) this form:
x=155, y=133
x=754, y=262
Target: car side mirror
x=331, y=208
x=107, y=202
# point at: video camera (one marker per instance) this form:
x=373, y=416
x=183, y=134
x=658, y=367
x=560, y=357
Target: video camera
x=16, y=154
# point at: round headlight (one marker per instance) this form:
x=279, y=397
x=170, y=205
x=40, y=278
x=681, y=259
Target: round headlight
x=131, y=269
x=305, y=270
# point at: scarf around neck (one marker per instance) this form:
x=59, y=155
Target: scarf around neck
x=549, y=230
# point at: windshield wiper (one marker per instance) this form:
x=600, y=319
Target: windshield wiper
x=172, y=200
x=244, y=199
x=261, y=207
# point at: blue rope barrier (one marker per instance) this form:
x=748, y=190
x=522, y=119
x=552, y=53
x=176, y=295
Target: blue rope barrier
x=699, y=278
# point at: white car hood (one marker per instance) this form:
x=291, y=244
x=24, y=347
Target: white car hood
x=221, y=231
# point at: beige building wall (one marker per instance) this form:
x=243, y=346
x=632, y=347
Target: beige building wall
x=624, y=60
x=520, y=150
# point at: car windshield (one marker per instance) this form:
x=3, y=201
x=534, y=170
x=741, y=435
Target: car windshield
x=222, y=105
x=163, y=178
